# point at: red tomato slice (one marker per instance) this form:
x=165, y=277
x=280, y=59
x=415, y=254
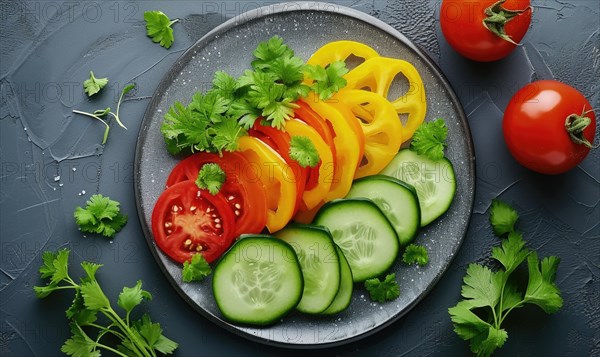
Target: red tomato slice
x=187, y=220
x=280, y=141
x=245, y=195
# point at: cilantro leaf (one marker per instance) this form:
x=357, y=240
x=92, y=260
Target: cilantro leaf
x=90, y=270
x=502, y=217
x=184, y=128
x=430, y=139
x=303, y=151
x=225, y=135
x=93, y=85
x=496, y=293
x=481, y=285
x=54, y=266
x=382, y=291
x=196, y=269
x=268, y=51
x=279, y=111
x=78, y=313
x=415, y=254
x=327, y=81
x=210, y=177
x=541, y=289
x=80, y=345
x=512, y=252
x=224, y=85
x=152, y=334
x=158, y=27
x=132, y=297
x=101, y=215
x=93, y=296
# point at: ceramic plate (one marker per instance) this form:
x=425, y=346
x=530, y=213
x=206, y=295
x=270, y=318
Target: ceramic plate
x=306, y=26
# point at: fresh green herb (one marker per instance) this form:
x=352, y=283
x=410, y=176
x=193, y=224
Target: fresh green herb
x=502, y=217
x=415, y=254
x=91, y=310
x=203, y=125
x=269, y=51
x=102, y=112
x=93, y=85
x=125, y=90
x=327, y=81
x=101, y=215
x=430, y=139
x=96, y=115
x=158, y=27
x=381, y=291
x=490, y=296
x=211, y=177
x=303, y=151
x=196, y=269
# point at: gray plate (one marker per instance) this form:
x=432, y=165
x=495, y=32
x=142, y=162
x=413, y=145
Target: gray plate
x=305, y=26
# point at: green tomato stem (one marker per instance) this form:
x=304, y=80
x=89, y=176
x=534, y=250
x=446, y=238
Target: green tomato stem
x=575, y=125
x=497, y=17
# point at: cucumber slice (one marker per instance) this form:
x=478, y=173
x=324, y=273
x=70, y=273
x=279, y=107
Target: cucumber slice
x=319, y=263
x=434, y=181
x=257, y=281
x=397, y=200
x=366, y=237
x=344, y=294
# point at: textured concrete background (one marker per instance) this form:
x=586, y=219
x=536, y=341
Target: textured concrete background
x=51, y=162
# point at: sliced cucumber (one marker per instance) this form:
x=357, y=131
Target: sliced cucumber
x=257, y=281
x=396, y=199
x=434, y=181
x=319, y=263
x=344, y=294
x=363, y=233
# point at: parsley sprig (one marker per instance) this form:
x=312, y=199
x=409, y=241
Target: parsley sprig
x=98, y=114
x=415, y=254
x=158, y=28
x=430, y=139
x=215, y=120
x=303, y=151
x=211, y=177
x=91, y=311
x=382, y=291
x=489, y=296
x=93, y=85
x=101, y=215
x=195, y=269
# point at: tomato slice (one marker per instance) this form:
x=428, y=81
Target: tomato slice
x=245, y=196
x=187, y=220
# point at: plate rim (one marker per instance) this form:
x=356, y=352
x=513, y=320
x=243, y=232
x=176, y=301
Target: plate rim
x=262, y=12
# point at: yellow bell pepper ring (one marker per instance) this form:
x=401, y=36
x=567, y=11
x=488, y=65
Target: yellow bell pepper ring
x=381, y=127
x=346, y=147
x=378, y=73
x=311, y=198
x=340, y=51
x=277, y=178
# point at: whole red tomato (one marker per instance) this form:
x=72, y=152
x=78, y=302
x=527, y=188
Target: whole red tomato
x=485, y=30
x=549, y=127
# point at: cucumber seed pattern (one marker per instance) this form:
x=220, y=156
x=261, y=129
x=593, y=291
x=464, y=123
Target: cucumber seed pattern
x=356, y=241
x=258, y=283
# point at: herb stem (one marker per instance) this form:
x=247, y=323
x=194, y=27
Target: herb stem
x=97, y=118
x=111, y=349
x=112, y=315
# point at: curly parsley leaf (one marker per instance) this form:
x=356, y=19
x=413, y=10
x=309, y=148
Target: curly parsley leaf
x=381, y=291
x=303, y=151
x=211, y=177
x=490, y=296
x=415, y=254
x=502, y=217
x=158, y=28
x=93, y=85
x=327, y=81
x=196, y=269
x=430, y=139
x=101, y=215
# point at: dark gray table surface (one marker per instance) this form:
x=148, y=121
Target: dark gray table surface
x=52, y=162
